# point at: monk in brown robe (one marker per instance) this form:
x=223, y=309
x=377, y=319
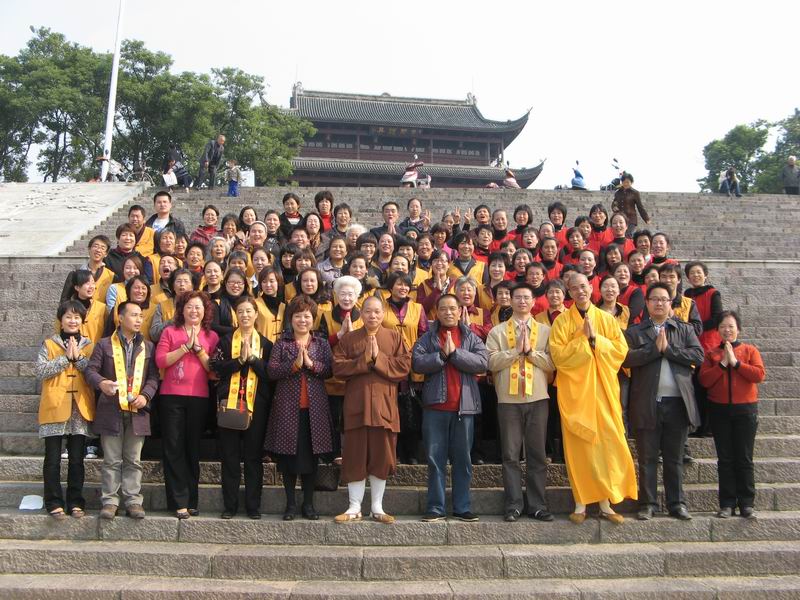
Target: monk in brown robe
x=372, y=361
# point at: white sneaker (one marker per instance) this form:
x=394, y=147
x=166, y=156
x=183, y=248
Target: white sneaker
x=65, y=454
x=91, y=451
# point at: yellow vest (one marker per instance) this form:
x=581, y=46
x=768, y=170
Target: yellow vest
x=289, y=291
x=267, y=324
x=146, y=244
x=122, y=294
x=684, y=310
x=335, y=387
x=55, y=405
x=167, y=309
x=95, y=322
x=408, y=328
x=476, y=271
x=102, y=283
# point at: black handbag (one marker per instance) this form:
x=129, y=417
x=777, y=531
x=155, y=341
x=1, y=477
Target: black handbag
x=232, y=418
x=327, y=478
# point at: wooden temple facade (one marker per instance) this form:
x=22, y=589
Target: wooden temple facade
x=364, y=140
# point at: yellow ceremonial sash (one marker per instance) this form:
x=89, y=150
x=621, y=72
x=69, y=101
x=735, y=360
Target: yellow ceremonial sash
x=513, y=382
x=234, y=400
x=125, y=394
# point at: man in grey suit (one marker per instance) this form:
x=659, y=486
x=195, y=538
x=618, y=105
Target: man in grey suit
x=662, y=354
x=210, y=160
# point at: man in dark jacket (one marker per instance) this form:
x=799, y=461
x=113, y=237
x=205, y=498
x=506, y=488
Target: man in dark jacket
x=210, y=160
x=123, y=369
x=450, y=356
x=627, y=201
x=662, y=354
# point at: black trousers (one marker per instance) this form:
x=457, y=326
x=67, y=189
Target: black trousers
x=182, y=422
x=734, y=438
x=668, y=437
x=51, y=472
x=246, y=446
x=210, y=172
x=336, y=403
x=554, y=443
x=486, y=437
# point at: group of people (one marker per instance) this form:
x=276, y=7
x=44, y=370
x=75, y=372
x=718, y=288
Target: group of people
x=305, y=338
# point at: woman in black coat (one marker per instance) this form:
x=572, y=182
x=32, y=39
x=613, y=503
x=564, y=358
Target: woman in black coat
x=243, y=398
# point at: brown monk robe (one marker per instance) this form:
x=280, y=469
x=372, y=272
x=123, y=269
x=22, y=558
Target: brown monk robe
x=371, y=361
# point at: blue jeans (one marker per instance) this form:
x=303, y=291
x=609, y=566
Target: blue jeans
x=727, y=188
x=233, y=188
x=445, y=434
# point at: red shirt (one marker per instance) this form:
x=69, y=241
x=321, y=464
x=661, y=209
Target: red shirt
x=452, y=375
x=326, y=222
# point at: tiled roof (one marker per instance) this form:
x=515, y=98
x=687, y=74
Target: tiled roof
x=393, y=110
x=369, y=167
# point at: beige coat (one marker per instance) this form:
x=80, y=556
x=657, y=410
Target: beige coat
x=501, y=357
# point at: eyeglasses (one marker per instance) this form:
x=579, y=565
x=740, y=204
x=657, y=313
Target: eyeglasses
x=659, y=300
x=233, y=283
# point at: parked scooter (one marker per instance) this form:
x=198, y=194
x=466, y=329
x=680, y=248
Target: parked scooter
x=411, y=177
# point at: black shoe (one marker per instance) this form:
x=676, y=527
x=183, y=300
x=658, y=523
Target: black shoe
x=254, y=515
x=681, y=513
x=467, y=517
x=432, y=517
x=478, y=461
x=688, y=459
x=194, y=512
x=227, y=515
x=309, y=513
x=747, y=512
x=288, y=514
x=512, y=515
x=645, y=514
x=726, y=512
x=541, y=515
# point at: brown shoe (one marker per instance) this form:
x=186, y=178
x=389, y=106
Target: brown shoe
x=135, y=511
x=347, y=518
x=615, y=518
x=577, y=518
x=383, y=518
x=109, y=511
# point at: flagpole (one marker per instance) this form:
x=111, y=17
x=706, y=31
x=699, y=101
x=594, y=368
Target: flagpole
x=112, y=97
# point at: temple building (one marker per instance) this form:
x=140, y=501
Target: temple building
x=365, y=140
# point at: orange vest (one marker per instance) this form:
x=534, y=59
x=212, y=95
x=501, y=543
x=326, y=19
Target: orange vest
x=267, y=324
x=408, y=328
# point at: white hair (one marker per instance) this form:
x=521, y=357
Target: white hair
x=356, y=227
x=347, y=281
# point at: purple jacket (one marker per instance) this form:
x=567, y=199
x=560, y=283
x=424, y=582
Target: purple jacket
x=108, y=418
x=284, y=416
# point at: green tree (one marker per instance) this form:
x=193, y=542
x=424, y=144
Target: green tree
x=259, y=136
x=742, y=148
x=18, y=121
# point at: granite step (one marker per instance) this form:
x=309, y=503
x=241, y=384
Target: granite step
x=411, y=500
x=130, y=587
x=407, y=531
x=371, y=563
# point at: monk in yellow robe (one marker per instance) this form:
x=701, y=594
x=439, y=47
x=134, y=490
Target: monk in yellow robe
x=587, y=348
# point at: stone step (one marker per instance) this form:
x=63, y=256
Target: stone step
x=411, y=500
x=407, y=531
x=163, y=588
x=291, y=563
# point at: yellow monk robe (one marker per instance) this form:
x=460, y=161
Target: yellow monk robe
x=599, y=462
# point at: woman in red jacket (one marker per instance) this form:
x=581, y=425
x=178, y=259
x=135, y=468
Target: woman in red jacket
x=730, y=372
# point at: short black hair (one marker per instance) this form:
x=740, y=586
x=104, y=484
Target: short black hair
x=124, y=305
x=559, y=206
x=100, y=238
x=75, y=306
x=447, y=295
x=138, y=207
x=524, y=285
x=730, y=313
x=671, y=268
x=390, y=203
x=657, y=286
x=696, y=263
x=627, y=176
x=162, y=193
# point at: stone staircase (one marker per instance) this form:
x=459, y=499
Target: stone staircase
x=750, y=245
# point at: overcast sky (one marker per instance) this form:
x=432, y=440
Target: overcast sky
x=647, y=83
